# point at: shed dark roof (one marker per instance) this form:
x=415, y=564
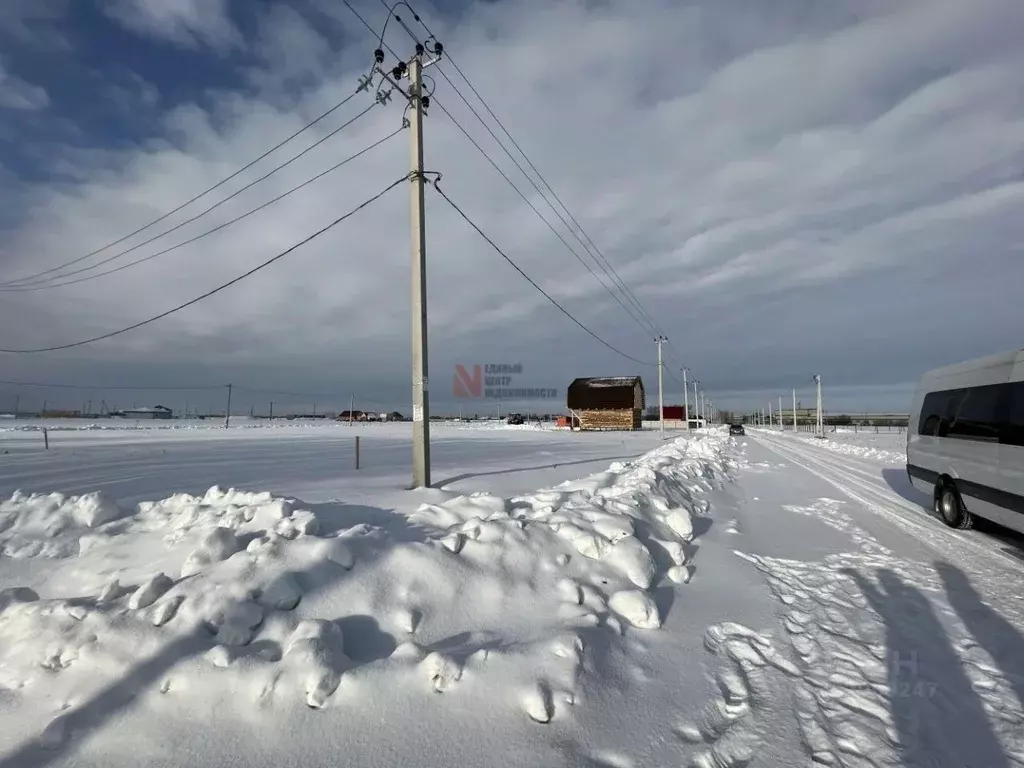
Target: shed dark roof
x=607, y=381
x=608, y=392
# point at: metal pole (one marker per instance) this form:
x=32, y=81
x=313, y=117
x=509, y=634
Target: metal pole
x=227, y=415
x=795, y=429
x=696, y=401
x=818, y=429
x=420, y=399
x=271, y=410
x=686, y=401
x=661, y=398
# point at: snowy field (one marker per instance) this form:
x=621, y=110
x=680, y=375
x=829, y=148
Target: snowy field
x=213, y=597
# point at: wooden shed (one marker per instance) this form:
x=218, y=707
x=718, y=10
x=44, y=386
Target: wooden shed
x=607, y=403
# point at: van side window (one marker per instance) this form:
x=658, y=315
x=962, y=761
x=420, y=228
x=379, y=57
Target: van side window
x=973, y=414
x=1013, y=431
x=933, y=411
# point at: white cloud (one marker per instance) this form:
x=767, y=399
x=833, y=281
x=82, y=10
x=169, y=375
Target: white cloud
x=185, y=22
x=16, y=93
x=728, y=158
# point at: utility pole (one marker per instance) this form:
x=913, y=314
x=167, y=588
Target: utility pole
x=696, y=401
x=780, y=413
x=771, y=418
x=820, y=430
x=17, y=406
x=686, y=402
x=661, y=398
x=703, y=409
x=795, y=429
x=271, y=410
x=420, y=398
x=227, y=415
x=351, y=408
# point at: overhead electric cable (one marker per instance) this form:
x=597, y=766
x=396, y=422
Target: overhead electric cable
x=217, y=228
x=530, y=280
x=191, y=200
x=219, y=288
x=44, y=282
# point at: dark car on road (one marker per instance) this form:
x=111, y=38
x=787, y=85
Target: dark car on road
x=736, y=429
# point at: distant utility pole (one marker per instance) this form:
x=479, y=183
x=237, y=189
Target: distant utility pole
x=771, y=418
x=795, y=429
x=703, y=409
x=696, y=400
x=17, y=406
x=271, y=410
x=820, y=430
x=351, y=408
x=227, y=414
x=661, y=396
x=686, y=402
x=780, y=413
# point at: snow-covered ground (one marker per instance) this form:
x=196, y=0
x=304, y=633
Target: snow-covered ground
x=247, y=597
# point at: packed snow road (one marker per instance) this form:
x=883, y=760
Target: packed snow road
x=906, y=636
x=563, y=600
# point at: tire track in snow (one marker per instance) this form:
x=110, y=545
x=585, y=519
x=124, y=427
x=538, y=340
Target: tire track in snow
x=875, y=495
x=885, y=675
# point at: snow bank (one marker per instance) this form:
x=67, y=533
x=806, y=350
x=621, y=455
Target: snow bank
x=249, y=604
x=51, y=525
x=882, y=447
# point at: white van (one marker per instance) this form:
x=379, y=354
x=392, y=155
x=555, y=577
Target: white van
x=965, y=440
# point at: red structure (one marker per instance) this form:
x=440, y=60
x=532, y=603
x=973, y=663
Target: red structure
x=675, y=412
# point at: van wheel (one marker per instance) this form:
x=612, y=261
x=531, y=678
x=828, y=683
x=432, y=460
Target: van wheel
x=951, y=507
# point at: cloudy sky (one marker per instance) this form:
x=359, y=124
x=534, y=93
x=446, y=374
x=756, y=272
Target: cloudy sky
x=785, y=186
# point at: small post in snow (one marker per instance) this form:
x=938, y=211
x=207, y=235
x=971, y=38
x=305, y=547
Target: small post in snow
x=46, y=438
x=357, y=451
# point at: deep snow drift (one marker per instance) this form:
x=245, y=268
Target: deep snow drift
x=241, y=609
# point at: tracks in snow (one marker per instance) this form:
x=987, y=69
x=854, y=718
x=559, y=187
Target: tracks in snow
x=869, y=489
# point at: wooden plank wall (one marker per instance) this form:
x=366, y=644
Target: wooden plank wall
x=623, y=419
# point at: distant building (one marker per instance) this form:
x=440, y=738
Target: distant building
x=156, y=412
x=607, y=403
x=674, y=413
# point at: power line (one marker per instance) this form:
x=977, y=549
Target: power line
x=45, y=385
x=43, y=283
x=546, y=295
x=592, y=250
x=219, y=227
x=191, y=200
x=221, y=287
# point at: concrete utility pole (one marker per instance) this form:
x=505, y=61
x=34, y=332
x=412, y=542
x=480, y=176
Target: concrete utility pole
x=771, y=418
x=17, y=406
x=271, y=410
x=820, y=430
x=703, y=409
x=420, y=397
x=795, y=429
x=780, y=413
x=696, y=400
x=227, y=414
x=686, y=402
x=661, y=395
